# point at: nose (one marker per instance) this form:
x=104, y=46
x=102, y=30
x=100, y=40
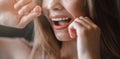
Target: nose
x=55, y=5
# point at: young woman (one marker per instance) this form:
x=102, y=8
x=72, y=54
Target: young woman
x=85, y=29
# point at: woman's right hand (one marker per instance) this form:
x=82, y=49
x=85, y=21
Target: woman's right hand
x=87, y=35
x=27, y=10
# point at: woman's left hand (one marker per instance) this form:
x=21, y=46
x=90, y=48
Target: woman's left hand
x=28, y=10
x=87, y=35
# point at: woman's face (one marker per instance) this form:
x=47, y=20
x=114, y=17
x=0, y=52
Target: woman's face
x=61, y=13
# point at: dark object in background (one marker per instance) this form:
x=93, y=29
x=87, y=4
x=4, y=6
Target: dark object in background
x=27, y=32
x=118, y=3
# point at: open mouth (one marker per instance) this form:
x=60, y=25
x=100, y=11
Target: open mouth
x=60, y=23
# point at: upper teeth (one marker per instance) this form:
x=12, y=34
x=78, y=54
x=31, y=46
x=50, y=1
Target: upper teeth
x=59, y=19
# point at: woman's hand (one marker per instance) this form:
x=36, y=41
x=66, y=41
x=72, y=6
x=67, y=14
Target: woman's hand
x=28, y=10
x=87, y=35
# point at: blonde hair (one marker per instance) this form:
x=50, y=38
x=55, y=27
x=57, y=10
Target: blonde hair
x=45, y=43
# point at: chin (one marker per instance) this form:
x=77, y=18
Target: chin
x=62, y=35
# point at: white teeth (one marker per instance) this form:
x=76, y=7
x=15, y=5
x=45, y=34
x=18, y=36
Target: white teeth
x=59, y=19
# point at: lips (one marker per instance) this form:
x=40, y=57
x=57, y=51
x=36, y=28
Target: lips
x=60, y=22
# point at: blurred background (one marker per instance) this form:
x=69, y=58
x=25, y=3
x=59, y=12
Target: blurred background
x=27, y=32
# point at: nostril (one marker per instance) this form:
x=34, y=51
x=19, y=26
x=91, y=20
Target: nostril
x=56, y=9
x=56, y=6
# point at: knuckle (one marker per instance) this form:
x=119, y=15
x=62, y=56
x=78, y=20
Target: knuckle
x=96, y=27
x=89, y=28
x=71, y=25
x=82, y=31
x=26, y=7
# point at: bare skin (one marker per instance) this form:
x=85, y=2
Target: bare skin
x=80, y=33
x=14, y=48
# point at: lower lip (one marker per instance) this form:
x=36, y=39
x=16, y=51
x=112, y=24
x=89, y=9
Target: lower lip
x=57, y=27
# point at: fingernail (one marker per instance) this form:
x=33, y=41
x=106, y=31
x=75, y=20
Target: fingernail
x=15, y=7
x=81, y=17
x=87, y=17
x=38, y=9
x=76, y=19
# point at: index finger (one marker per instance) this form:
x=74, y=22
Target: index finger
x=21, y=3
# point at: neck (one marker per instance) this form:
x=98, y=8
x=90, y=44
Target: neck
x=69, y=50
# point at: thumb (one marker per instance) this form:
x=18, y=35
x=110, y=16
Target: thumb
x=72, y=31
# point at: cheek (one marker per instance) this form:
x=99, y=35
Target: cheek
x=45, y=12
x=44, y=7
x=76, y=9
